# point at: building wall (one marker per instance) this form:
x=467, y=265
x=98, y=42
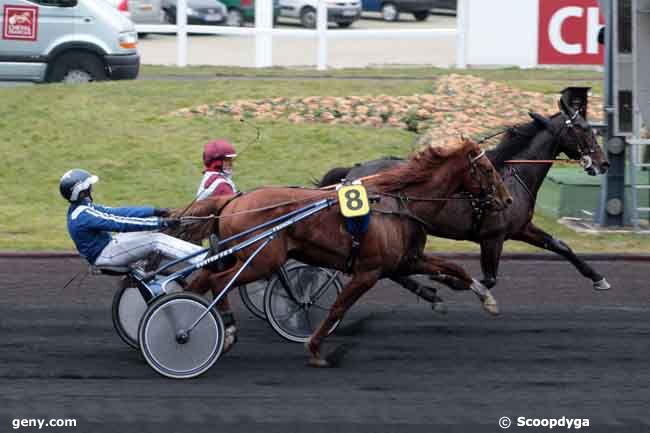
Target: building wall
x=502, y=32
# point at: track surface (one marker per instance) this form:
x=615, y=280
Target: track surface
x=559, y=349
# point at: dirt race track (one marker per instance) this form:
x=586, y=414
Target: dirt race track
x=558, y=349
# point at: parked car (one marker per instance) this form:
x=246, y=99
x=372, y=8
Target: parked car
x=450, y=5
x=206, y=12
x=140, y=11
x=243, y=11
x=341, y=12
x=391, y=9
x=66, y=40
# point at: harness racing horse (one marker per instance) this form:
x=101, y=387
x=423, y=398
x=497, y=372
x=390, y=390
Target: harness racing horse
x=542, y=139
x=409, y=196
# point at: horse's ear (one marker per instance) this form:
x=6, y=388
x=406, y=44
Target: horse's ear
x=565, y=108
x=540, y=120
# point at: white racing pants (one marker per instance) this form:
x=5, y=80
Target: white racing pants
x=126, y=248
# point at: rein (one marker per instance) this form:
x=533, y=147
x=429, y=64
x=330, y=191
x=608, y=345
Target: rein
x=541, y=161
x=407, y=198
x=527, y=161
x=249, y=211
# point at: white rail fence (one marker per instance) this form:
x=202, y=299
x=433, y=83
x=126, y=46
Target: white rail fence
x=263, y=32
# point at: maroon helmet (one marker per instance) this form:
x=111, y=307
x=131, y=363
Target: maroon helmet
x=217, y=150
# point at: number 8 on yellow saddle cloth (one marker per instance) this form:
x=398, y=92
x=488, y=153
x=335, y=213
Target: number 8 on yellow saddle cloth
x=353, y=200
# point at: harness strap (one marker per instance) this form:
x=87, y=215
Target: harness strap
x=516, y=175
x=351, y=261
x=407, y=214
x=357, y=227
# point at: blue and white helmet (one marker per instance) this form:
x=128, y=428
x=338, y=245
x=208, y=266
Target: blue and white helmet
x=74, y=182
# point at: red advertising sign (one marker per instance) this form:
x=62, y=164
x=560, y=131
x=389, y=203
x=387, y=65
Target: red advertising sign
x=568, y=32
x=20, y=23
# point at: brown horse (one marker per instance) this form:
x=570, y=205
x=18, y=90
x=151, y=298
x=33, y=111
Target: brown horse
x=393, y=245
x=542, y=139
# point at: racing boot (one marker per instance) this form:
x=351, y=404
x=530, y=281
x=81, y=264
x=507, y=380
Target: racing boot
x=230, y=337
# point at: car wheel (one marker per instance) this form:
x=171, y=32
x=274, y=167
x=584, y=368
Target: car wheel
x=308, y=18
x=170, y=17
x=77, y=67
x=389, y=12
x=421, y=15
x=345, y=25
x=235, y=18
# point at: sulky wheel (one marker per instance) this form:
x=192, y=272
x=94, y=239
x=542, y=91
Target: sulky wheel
x=295, y=311
x=252, y=295
x=129, y=307
x=167, y=343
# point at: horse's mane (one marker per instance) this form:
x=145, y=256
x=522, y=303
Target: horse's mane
x=418, y=167
x=513, y=142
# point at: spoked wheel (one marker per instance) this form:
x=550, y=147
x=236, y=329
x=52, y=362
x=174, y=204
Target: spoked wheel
x=252, y=295
x=129, y=307
x=296, y=311
x=168, y=345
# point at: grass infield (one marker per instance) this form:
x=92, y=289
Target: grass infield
x=123, y=132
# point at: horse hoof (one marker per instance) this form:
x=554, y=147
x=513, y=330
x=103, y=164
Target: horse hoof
x=439, y=307
x=318, y=362
x=601, y=285
x=490, y=304
x=230, y=338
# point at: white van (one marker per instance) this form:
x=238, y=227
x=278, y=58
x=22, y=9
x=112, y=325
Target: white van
x=66, y=40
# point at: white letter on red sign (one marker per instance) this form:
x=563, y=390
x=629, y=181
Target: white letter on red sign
x=593, y=27
x=555, y=30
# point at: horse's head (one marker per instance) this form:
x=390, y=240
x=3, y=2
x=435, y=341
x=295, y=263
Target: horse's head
x=482, y=180
x=575, y=138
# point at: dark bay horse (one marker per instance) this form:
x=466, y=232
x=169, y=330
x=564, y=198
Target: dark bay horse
x=393, y=245
x=542, y=139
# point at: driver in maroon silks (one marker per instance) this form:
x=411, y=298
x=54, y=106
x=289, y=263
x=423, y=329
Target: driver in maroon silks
x=218, y=157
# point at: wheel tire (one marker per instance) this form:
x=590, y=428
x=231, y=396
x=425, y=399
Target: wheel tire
x=252, y=295
x=170, y=17
x=421, y=15
x=344, y=25
x=389, y=12
x=235, y=18
x=277, y=303
x=162, y=350
x=77, y=67
x=128, y=308
x=308, y=18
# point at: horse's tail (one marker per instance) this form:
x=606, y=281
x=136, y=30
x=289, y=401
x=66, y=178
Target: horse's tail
x=331, y=177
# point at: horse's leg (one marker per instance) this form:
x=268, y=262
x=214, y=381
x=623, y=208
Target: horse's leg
x=490, y=254
x=533, y=235
x=216, y=282
x=352, y=291
x=455, y=277
x=425, y=292
x=201, y=282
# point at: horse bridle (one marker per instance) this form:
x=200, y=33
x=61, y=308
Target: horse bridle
x=586, y=160
x=486, y=195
